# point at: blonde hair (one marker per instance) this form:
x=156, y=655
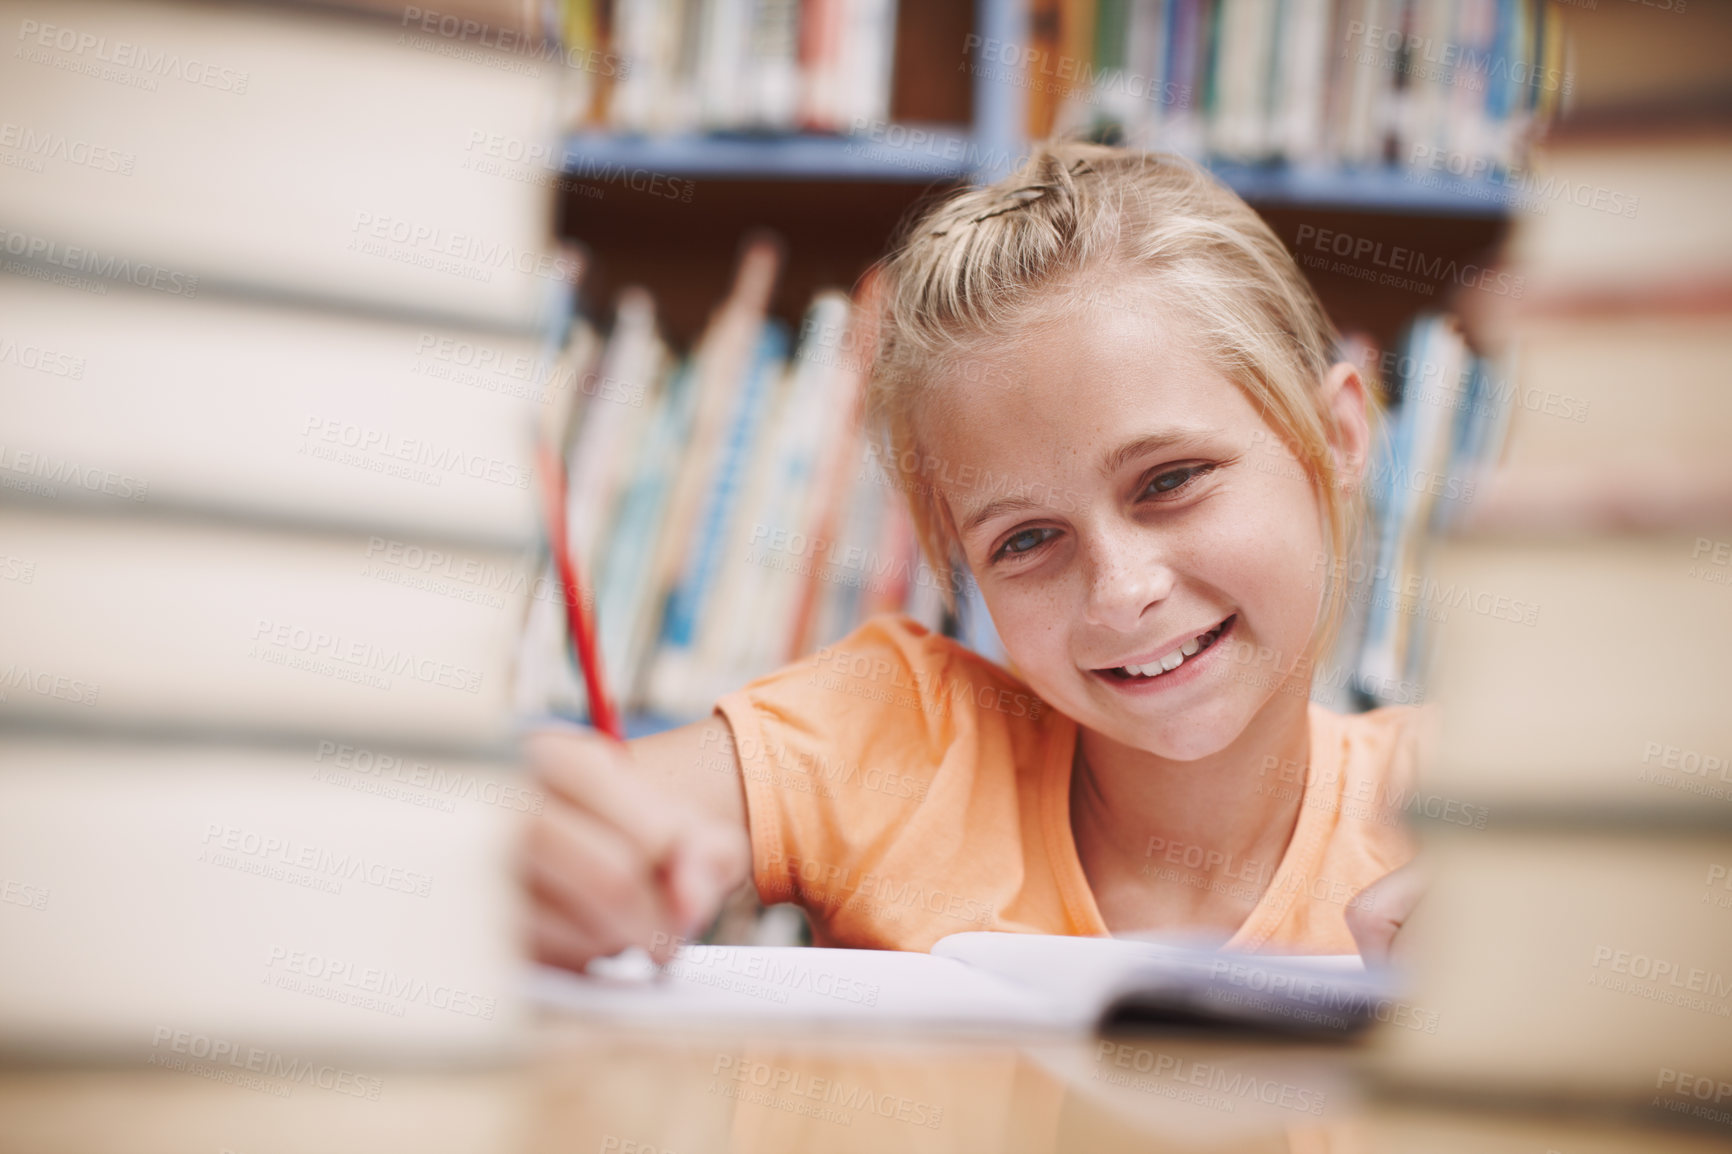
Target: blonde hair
x=986, y=264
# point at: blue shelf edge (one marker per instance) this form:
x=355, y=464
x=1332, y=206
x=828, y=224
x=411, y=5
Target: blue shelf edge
x=1391, y=189
x=923, y=153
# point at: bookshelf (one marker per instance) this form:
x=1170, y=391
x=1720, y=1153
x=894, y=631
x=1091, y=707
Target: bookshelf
x=956, y=115
x=988, y=138
x=837, y=200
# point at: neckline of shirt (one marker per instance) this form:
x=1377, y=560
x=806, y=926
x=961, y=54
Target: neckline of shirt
x=1304, y=849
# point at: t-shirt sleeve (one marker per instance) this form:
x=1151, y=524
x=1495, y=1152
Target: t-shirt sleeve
x=865, y=744
x=1384, y=790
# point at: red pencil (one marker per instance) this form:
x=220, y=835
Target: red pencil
x=581, y=625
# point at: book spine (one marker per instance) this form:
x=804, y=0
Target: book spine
x=689, y=600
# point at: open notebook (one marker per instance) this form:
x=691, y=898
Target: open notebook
x=984, y=981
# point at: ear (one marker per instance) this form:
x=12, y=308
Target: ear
x=1344, y=398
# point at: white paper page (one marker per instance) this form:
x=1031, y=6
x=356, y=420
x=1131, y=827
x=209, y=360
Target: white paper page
x=751, y=984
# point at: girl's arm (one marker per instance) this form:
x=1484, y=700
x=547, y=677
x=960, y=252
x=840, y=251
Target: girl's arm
x=637, y=845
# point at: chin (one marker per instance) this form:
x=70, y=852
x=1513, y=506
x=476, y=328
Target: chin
x=1198, y=733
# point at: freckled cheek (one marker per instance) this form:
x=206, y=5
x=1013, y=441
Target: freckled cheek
x=1277, y=570
x=1263, y=539
x=1034, y=625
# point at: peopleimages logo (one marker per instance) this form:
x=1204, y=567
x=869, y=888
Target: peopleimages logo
x=91, y=50
x=464, y=31
x=295, y=638
x=90, y=262
x=760, y=974
x=383, y=446
x=447, y=784
x=839, y=563
x=42, y=360
x=1456, y=63
x=1525, y=187
x=229, y=846
x=842, y=890
x=1227, y=1086
x=446, y=251
x=222, y=1060
x=46, y=683
x=1044, y=71
x=370, y=987
x=1370, y=254
x=41, y=145
x=54, y=471
x=799, y=1088
x=1662, y=979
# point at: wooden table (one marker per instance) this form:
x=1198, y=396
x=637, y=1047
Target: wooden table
x=599, y=1089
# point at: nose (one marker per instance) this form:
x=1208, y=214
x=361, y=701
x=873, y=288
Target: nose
x=1126, y=576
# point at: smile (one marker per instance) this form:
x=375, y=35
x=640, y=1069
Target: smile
x=1165, y=664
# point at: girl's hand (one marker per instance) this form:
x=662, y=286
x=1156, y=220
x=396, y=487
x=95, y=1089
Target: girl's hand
x=1381, y=909
x=613, y=861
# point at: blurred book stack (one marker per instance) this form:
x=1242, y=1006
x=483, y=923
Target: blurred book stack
x=727, y=503
x=1446, y=87
x=1580, y=946
x=276, y=343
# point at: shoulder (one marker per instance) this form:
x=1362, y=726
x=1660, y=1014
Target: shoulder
x=885, y=769
x=1382, y=754
x=897, y=662
x=1380, y=751
x=1389, y=723
x=891, y=692
x=1391, y=733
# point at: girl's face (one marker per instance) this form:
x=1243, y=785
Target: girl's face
x=1126, y=511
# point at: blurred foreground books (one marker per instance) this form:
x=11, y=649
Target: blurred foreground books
x=1580, y=947
x=269, y=389
x=288, y=151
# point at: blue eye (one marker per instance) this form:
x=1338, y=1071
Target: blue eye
x=1024, y=541
x=1173, y=480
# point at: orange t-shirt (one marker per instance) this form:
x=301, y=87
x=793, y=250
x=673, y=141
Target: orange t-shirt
x=901, y=788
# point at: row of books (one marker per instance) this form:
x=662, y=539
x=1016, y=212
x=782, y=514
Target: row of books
x=1443, y=429
x=715, y=65
x=735, y=517
x=1445, y=86
x=727, y=504
x=1450, y=88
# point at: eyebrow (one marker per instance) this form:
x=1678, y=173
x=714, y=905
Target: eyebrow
x=992, y=509
x=1154, y=442
x=1110, y=464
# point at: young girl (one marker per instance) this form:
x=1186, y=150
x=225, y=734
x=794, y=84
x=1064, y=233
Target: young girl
x=1106, y=391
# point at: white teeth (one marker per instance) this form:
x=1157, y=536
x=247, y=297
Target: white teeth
x=1171, y=661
